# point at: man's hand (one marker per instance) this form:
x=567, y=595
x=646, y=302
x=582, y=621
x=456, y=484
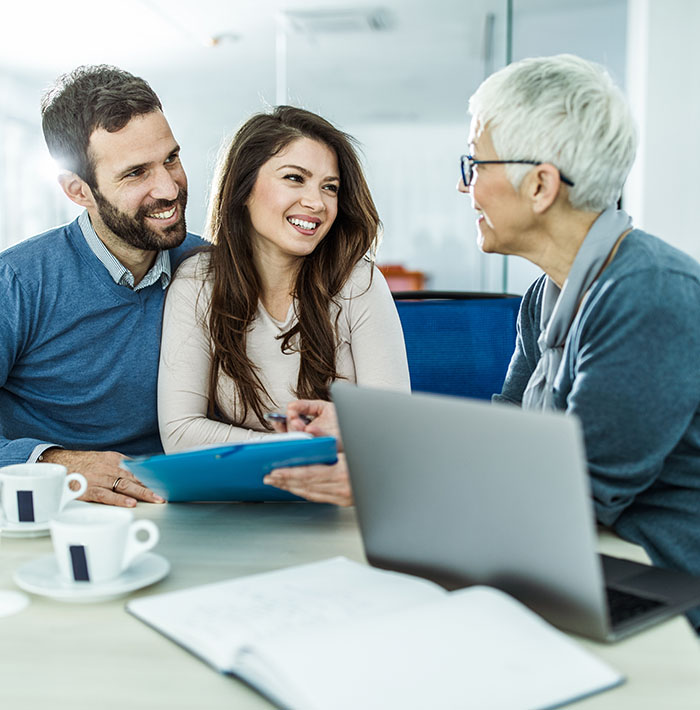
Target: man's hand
x=324, y=419
x=102, y=469
x=320, y=483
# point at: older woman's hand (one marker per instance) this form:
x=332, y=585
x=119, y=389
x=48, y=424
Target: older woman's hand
x=321, y=483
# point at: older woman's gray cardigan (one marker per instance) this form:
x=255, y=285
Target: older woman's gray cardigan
x=631, y=373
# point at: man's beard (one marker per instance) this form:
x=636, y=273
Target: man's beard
x=135, y=231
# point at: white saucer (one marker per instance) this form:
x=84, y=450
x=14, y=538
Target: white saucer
x=40, y=576
x=9, y=529
x=12, y=602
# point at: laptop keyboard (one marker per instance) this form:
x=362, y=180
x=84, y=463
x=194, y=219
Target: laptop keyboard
x=624, y=606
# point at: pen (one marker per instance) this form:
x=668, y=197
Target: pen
x=274, y=417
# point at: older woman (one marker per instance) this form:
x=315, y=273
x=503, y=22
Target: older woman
x=611, y=331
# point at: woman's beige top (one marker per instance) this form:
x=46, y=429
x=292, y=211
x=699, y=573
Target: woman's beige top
x=371, y=352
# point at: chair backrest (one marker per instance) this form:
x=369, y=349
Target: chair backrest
x=458, y=343
x=401, y=279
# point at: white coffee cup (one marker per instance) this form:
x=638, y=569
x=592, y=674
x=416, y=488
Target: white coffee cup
x=35, y=492
x=96, y=544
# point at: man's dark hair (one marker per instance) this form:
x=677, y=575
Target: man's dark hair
x=85, y=99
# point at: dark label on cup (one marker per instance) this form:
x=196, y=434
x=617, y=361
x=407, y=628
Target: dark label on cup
x=25, y=506
x=79, y=561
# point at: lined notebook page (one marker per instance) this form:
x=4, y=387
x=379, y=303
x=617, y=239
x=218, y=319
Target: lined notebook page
x=476, y=648
x=215, y=620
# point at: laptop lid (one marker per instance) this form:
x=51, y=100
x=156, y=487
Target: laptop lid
x=466, y=492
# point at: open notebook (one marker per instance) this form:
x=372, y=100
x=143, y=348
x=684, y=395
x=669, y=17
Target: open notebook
x=342, y=635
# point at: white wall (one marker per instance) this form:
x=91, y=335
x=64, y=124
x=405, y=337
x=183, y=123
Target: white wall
x=413, y=172
x=593, y=30
x=30, y=199
x=662, y=71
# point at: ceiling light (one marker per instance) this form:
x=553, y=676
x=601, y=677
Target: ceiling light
x=314, y=22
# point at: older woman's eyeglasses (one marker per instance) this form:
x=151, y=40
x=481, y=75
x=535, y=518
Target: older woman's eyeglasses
x=468, y=162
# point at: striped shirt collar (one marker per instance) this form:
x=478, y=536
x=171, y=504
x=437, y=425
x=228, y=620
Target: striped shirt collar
x=119, y=273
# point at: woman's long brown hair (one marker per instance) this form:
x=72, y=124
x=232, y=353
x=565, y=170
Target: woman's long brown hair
x=322, y=274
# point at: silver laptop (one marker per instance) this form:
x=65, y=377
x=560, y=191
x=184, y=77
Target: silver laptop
x=465, y=492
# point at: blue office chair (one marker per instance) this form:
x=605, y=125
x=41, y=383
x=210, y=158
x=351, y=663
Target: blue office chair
x=458, y=343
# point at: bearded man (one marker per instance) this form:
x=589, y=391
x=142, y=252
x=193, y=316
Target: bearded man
x=81, y=316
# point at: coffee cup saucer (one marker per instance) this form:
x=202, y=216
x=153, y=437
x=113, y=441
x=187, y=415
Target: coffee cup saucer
x=10, y=529
x=40, y=576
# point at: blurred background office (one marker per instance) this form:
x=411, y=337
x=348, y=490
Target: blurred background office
x=396, y=74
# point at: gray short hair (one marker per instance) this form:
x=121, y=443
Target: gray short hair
x=562, y=110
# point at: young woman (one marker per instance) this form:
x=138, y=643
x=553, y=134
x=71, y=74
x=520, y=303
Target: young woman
x=287, y=299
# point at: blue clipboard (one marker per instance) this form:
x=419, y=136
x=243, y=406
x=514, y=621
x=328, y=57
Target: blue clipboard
x=230, y=472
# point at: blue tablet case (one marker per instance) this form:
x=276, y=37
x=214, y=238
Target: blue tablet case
x=231, y=472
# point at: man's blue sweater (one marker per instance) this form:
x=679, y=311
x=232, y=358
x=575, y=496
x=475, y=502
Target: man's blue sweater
x=78, y=352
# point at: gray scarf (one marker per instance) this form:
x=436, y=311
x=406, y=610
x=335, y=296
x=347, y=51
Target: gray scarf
x=559, y=307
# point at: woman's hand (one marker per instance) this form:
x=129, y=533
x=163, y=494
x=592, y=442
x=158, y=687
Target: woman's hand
x=321, y=483
x=314, y=417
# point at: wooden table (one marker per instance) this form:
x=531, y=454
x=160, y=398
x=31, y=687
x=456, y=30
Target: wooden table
x=84, y=656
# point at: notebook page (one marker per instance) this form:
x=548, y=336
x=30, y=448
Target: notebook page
x=216, y=620
x=476, y=648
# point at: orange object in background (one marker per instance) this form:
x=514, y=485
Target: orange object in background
x=400, y=279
